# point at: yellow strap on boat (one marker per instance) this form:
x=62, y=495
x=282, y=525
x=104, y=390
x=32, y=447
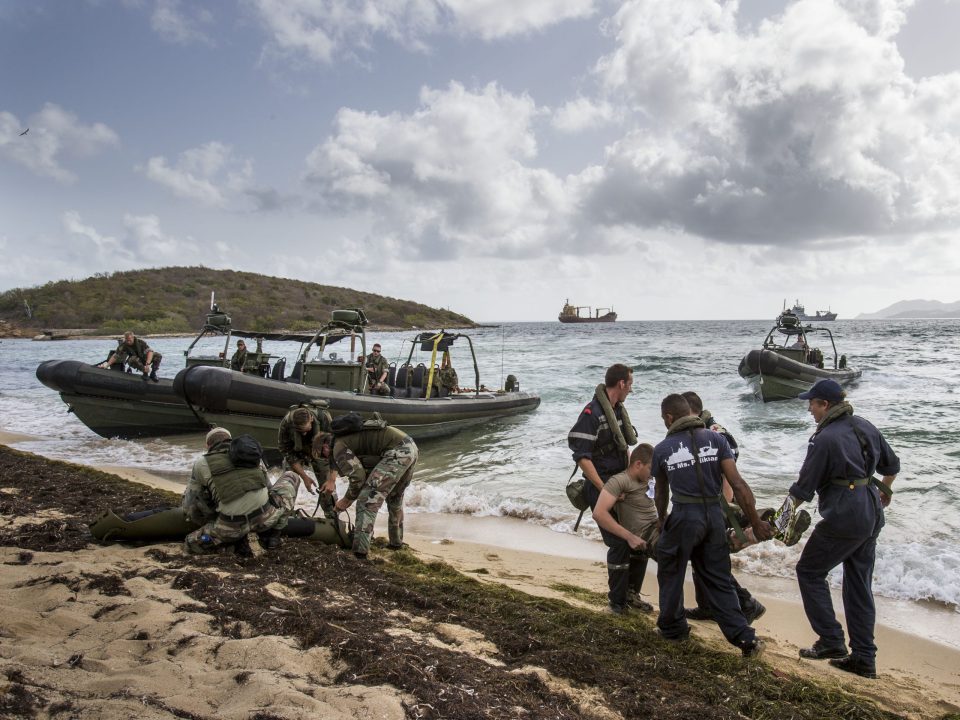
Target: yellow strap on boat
x=433, y=362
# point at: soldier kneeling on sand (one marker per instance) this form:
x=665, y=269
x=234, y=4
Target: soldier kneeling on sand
x=230, y=495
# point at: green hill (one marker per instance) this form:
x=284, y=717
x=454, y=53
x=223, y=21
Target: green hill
x=176, y=299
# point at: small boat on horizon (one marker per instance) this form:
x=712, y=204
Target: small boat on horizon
x=573, y=314
x=783, y=371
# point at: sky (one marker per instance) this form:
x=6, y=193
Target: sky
x=688, y=159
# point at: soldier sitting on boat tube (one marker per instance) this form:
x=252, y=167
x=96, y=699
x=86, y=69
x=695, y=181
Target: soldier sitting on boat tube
x=377, y=369
x=137, y=354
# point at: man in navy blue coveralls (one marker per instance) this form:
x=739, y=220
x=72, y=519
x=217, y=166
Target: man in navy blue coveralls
x=842, y=456
x=596, y=453
x=695, y=530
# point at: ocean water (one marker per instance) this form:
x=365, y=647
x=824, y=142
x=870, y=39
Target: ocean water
x=517, y=467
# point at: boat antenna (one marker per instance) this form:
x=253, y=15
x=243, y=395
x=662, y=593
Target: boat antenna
x=501, y=356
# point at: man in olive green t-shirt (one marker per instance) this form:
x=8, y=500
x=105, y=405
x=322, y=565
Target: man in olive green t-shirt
x=635, y=520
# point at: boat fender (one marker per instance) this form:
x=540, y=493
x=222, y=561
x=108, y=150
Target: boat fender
x=511, y=384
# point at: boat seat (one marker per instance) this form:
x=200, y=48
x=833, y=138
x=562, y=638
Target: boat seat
x=278, y=367
x=416, y=391
x=296, y=375
x=391, y=374
x=419, y=376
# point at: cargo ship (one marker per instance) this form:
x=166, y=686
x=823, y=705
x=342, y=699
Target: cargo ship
x=576, y=314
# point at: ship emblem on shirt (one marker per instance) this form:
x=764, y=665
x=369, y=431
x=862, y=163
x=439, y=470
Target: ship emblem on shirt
x=682, y=457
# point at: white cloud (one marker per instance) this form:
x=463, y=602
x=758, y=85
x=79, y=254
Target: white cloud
x=447, y=179
x=180, y=25
x=584, y=114
x=142, y=241
x=53, y=133
x=212, y=175
x=319, y=29
x=492, y=19
x=807, y=128
x=322, y=30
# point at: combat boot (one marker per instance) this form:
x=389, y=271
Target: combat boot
x=638, y=603
x=822, y=651
x=857, y=666
x=698, y=613
x=270, y=540
x=752, y=649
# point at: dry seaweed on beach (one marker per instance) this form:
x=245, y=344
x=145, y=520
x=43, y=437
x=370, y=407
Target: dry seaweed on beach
x=455, y=647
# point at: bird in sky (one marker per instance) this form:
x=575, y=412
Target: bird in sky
x=24, y=132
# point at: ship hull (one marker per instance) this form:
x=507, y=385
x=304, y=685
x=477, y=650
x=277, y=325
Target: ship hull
x=255, y=405
x=776, y=377
x=821, y=317
x=608, y=318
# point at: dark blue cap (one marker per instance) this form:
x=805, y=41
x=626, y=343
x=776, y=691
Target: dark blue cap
x=824, y=389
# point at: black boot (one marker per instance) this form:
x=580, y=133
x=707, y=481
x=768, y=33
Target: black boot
x=270, y=540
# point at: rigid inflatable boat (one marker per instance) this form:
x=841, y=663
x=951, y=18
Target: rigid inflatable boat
x=416, y=403
x=114, y=403
x=780, y=371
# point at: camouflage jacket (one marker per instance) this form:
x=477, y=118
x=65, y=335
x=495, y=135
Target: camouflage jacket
x=376, y=366
x=296, y=447
x=139, y=350
x=238, y=360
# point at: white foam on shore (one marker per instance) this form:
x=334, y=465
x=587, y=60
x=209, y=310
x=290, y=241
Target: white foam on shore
x=910, y=571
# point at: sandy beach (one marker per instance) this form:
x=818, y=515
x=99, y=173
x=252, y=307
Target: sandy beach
x=113, y=631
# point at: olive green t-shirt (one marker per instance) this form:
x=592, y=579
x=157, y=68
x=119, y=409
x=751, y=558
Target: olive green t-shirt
x=636, y=511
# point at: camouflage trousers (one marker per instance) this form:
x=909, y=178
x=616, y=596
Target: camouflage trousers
x=221, y=531
x=387, y=481
x=134, y=362
x=326, y=500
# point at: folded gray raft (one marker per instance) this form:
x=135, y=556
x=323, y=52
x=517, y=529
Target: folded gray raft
x=172, y=524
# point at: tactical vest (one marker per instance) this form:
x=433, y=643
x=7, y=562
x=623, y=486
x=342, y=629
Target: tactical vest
x=230, y=482
x=371, y=442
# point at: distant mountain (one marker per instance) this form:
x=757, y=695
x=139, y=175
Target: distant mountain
x=176, y=300
x=915, y=309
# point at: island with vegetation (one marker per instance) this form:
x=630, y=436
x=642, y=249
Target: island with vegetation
x=175, y=300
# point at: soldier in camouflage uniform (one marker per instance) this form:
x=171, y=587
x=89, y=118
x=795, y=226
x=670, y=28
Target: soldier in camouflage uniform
x=447, y=377
x=137, y=354
x=230, y=502
x=295, y=437
x=378, y=463
x=377, y=368
x=239, y=359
